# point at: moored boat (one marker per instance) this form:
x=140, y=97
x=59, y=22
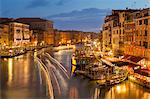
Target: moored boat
x=140, y=80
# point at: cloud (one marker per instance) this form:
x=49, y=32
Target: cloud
x=86, y=19
x=62, y=2
x=37, y=3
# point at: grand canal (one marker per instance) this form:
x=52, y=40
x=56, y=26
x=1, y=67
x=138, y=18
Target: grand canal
x=20, y=80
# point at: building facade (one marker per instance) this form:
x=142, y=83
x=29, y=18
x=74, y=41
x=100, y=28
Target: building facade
x=14, y=34
x=113, y=31
x=139, y=39
x=19, y=34
x=4, y=36
x=43, y=32
x=64, y=37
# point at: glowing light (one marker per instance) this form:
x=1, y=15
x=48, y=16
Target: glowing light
x=124, y=89
x=73, y=69
x=59, y=65
x=10, y=51
x=118, y=89
x=48, y=79
x=35, y=43
x=73, y=61
x=35, y=54
x=74, y=47
x=59, y=52
x=5, y=59
x=96, y=93
x=94, y=43
x=10, y=70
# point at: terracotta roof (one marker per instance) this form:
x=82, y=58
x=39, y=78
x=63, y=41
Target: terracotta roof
x=146, y=70
x=135, y=59
x=125, y=56
x=28, y=20
x=69, y=31
x=5, y=20
x=132, y=58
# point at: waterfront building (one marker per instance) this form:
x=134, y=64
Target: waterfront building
x=43, y=32
x=64, y=37
x=113, y=31
x=126, y=32
x=4, y=36
x=19, y=34
x=138, y=34
x=14, y=34
x=100, y=40
x=106, y=32
x=56, y=37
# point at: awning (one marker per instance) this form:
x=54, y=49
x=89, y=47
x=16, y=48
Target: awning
x=125, y=56
x=145, y=72
x=132, y=58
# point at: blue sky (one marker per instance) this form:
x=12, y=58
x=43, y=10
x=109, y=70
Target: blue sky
x=52, y=8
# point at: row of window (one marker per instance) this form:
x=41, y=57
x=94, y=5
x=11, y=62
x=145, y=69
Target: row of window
x=145, y=44
x=145, y=21
x=20, y=26
x=22, y=39
x=145, y=33
x=118, y=32
x=18, y=31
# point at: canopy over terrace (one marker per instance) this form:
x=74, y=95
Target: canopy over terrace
x=126, y=60
x=132, y=58
x=144, y=72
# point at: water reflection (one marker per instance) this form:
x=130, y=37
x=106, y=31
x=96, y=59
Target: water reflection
x=10, y=71
x=127, y=90
x=81, y=88
x=64, y=57
x=21, y=79
x=73, y=93
x=96, y=93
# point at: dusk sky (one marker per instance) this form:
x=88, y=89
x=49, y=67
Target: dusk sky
x=86, y=15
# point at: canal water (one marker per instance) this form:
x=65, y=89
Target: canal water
x=19, y=79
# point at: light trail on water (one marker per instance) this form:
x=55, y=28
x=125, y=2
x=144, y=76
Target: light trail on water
x=48, y=79
x=59, y=65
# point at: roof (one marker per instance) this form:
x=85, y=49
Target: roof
x=69, y=31
x=6, y=20
x=126, y=10
x=135, y=59
x=29, y=20
x=146, y=71
x=132, y=58
x=9, y=22
x=125, y=56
